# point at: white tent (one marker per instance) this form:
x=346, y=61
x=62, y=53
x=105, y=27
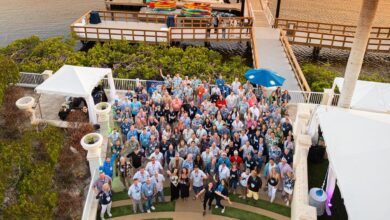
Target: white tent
x=76, y=81
x=358, y=149
x=370, y=96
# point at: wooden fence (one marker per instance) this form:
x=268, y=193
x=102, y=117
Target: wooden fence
x=331, y=35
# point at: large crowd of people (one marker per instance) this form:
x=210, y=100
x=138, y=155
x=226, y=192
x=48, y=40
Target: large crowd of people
x=213, y=140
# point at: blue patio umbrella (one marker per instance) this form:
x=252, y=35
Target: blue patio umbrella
x=264, y=77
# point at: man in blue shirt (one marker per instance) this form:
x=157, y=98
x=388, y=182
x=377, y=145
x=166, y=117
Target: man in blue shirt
x=151, y=89
x=132, y=132
x=135, y=195
x=125, y=127
x=144, y=138
x=148, y=190
x=135, y=107
x=220, y=82
x=108, y=165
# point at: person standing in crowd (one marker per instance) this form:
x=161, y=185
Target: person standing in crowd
x=221, y=193
x=209, y=194
x=197, y=176
x=108, y=165
x=135, y=194
x=243, y=183
x=288, y=187
x=184, y=182
x=253, y=185
x=273, y=181
x=175, y=188
x=149, y=190
x=153, y=165
x=98, y=184
x=235, y=174
x=158, y=179
x=124, y=171
x=141, y=175
x=105, y=200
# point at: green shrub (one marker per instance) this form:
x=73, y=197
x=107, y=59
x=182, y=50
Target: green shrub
x=318, y=77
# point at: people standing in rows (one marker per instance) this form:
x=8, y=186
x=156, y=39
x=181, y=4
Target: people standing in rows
x=184, y=182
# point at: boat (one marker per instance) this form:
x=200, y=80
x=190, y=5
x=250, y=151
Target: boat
x=162, y=5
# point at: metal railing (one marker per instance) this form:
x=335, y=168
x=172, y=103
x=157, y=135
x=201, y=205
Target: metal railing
x=89, y=212
x=30, y=80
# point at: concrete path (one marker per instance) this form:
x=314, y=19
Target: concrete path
x=174, y=215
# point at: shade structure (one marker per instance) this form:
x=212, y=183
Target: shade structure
x=77, y=81
x=358, y=149
x=264, y=77
x=369, y=96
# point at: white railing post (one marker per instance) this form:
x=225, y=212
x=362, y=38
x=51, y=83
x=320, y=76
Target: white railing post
x=103, y=110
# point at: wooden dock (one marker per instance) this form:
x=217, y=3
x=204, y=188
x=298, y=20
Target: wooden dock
x=152, y=28
x=338, y=36
x=215, y=5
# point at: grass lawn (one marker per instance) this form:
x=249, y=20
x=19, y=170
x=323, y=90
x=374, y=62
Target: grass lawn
x=317, y=172
x=123, y=195
x=239, y=214
x=128, y=209
x=280, y=209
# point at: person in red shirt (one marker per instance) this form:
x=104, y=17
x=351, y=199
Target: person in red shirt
x=201, y=91
x=221, y=102
x=236, y=159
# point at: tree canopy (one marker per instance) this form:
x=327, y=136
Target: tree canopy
x=9, y=74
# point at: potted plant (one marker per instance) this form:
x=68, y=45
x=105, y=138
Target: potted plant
x=103, y=110
x=92, y=142
x=25, y=103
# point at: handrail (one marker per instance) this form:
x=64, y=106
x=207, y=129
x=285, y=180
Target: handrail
x=255, y=56
x=267, y=12
x=88, y=212
x=294, y=62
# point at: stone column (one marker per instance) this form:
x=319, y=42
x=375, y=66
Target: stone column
x=300, y=208
x=92, y=143
x=103, y=112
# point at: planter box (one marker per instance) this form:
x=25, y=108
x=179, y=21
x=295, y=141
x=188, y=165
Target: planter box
x=92, y=142
x=25, y=103
x=103, y=110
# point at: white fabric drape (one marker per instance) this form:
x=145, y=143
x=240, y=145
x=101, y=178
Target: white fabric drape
x=91, y=110
x=330, y=187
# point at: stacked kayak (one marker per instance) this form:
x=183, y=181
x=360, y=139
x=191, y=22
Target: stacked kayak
x=196, y=10
x=162, y=5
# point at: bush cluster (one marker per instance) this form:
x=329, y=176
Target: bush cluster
x=127, y=60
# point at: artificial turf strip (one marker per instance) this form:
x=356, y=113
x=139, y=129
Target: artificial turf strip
x=280, y=209
x=128, y=209
x=240, y=214
x=116, y=196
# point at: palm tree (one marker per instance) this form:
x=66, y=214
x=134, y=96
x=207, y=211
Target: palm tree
x=355, y=60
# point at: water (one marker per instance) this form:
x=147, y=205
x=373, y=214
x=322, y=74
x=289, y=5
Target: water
x=44, y=18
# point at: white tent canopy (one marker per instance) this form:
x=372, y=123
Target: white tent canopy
x=76, y=81
x=358, y=148
x=369, y=96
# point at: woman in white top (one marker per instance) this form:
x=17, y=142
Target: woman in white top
x=243, y=182
x=225, y=141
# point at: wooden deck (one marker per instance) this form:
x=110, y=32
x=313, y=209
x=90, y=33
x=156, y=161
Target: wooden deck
x=216, y=5
x=151, y=28
x=338, y=36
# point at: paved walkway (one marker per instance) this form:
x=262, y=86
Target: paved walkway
x=174, y=215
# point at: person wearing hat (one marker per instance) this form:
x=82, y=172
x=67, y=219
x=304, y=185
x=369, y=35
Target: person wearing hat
x=135, y=195
x=236, y=159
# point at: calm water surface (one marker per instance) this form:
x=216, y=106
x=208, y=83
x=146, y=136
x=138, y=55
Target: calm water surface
x=44, y=18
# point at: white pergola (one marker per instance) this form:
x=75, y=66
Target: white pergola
x=77, y=81
x=358, y=148
x=369, y=96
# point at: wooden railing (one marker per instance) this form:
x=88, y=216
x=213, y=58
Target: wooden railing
x=211, y=34
x=88, y=33
x=332, y=35
x=132, y=16
x=294, y=62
